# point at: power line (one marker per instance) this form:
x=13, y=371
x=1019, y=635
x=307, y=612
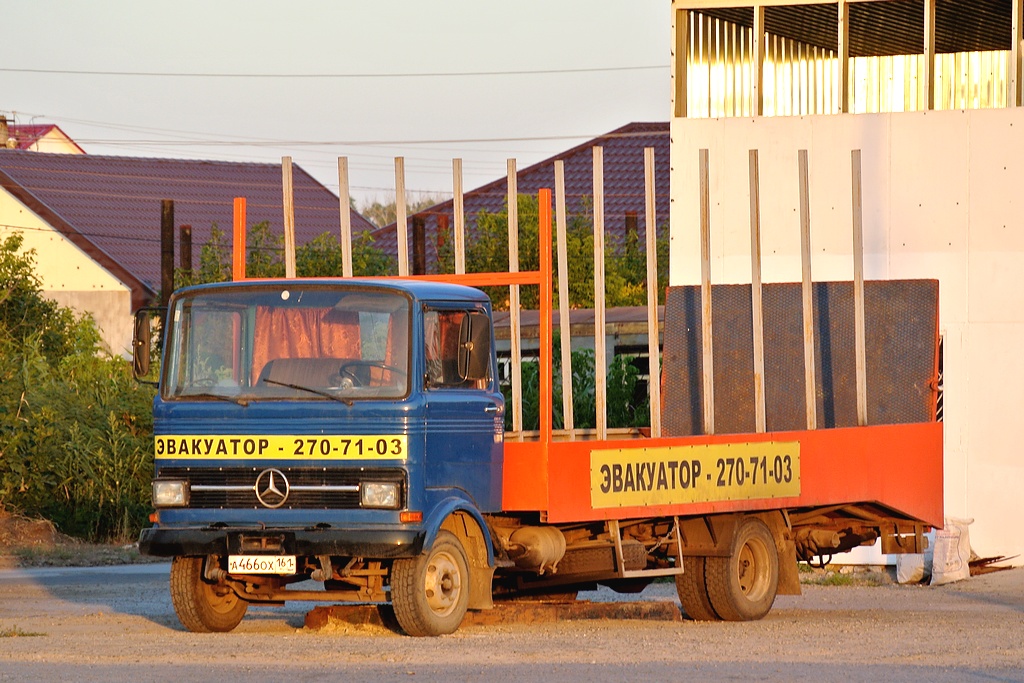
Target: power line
x=425, y=74
x=348, y=143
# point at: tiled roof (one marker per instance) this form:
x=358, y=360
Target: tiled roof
x=110, y=206
x=27, y=135
x=623, y=187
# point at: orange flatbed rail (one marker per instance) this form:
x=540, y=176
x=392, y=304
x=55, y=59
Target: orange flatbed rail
x=898, y=467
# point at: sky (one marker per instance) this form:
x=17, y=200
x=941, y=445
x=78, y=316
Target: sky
x=370, y=80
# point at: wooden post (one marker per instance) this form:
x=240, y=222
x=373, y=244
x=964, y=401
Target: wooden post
x=238, y=252
x=707, y=348
x=653, y=348
x=344, y=202
x=600, y=352
x=1013, y=98
x=843, y=85
x=757, y=65
x=807, y=288
x=460, y=217
x=289, y=217
x=166, y=250
x=419, y=246
x=680, y=61
x=929, y=54
x=401, y=220
x=185, y=258
x=757, y=311
x=568, y=418
x=858, y=290
x=514, y=312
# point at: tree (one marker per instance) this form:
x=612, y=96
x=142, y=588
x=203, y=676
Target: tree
x=625, y=264
x=75, y=428
x=25, y=314
x=385, y=213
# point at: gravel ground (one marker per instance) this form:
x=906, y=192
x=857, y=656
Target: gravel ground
x=117, y=624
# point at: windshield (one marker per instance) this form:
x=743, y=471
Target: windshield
x=312, y=342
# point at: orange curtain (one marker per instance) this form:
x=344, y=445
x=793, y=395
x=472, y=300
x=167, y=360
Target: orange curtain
x=303, y=333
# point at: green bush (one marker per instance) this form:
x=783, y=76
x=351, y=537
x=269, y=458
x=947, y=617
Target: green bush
x=75, y=428
x=624, y=407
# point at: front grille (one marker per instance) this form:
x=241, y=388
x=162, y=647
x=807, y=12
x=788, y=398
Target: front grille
x=320, y=494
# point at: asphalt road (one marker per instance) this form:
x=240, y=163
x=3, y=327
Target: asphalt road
x=117, y=624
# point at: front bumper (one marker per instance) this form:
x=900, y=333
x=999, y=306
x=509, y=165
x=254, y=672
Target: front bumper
x=370, y=544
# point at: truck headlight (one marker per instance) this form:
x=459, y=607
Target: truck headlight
x=379, y=495
x=170, y=493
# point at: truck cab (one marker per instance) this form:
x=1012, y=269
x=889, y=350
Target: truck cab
x=325, y=429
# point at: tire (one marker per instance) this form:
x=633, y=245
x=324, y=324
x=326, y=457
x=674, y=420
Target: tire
x=430, y=593
x=693, y=591
x=203, y=607
x=742, y=587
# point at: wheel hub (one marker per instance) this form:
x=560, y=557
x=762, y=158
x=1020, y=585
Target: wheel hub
x=443, y=584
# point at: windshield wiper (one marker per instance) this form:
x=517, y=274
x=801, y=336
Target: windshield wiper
x=220, y=397
x=312, y=390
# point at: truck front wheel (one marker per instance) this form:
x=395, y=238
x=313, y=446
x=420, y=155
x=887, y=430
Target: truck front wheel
x=742, y=586
x=203, y=607
x=430, y=593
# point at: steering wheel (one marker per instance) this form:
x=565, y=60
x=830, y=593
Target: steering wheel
x=349, y=370
x=204, y=382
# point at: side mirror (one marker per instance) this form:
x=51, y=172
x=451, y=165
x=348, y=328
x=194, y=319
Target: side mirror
x=142, y=342
x=475, y=347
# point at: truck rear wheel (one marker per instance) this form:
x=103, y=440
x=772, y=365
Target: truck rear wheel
x=430, y=593
x=693, y=591
x=203, y=607
x=742, y=586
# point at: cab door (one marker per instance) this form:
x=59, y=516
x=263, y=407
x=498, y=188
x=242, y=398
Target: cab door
x=464, y=409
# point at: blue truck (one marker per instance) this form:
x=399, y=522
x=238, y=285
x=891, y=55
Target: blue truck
x=350, y=433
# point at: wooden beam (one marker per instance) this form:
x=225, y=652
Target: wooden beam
x=698, y=5
x=757, y=311
x=807, y=288
x=600, y=352
x=401, y=219
x=757, y=63
x=843, y=55
x=653, y=348
x=514, y=312
x=344, y=205
x=929, y=54
x=565, y=334
x=680, y=61
x=460, y=217
x=707, y=348
x=166, y=251
x=1013, y=98
x=289, y=217
x=858, y=291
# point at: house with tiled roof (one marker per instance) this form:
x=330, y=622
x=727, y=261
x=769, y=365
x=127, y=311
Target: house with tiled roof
x=94, y=221
x=623, y=189
x=34, y=137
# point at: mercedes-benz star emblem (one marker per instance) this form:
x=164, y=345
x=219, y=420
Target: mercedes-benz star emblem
x=271, y=488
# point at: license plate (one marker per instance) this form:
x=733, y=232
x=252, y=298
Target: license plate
x=261, y=564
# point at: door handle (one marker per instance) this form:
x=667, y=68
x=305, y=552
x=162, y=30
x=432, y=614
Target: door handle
x=491, y=409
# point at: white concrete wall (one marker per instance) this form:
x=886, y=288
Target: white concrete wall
x=943, y=198
x=69, y=275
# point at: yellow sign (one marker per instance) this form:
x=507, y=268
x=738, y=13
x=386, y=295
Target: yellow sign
x=669, y=475
x=282, y=447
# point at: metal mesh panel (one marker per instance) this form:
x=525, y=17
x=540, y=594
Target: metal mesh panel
x=901, y=331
